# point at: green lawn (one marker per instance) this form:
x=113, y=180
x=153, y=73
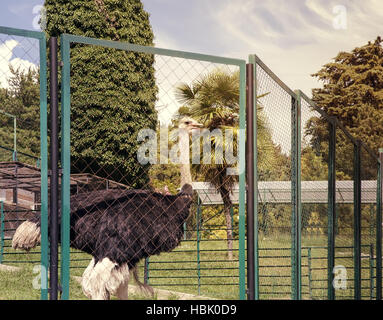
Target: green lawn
x=214, y=276
x=177, y=271
x=275, y=267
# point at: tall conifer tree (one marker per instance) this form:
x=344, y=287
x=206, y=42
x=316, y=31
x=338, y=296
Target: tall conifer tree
x=353, y=91
x=113, y=92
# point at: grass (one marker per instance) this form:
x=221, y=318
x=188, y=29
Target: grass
x=176, y=271
x=275, y=267
x=214, y=276
x=179, y=270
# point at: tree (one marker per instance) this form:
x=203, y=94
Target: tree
x=21, y=99
x=314, y=167
x=113, y=92
x=353, y=92
x=213, y=100
x=164, y=174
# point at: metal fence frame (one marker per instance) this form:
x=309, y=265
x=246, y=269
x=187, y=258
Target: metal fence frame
x=296, y=247
x=40, y=36
x=252, y=287
x=66, y=40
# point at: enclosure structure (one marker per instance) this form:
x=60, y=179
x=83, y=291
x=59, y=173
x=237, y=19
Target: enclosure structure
x=329, y=218
x=172, y=68
x=315, y=198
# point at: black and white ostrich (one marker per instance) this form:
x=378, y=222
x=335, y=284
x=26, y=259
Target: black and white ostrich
x=119, y=228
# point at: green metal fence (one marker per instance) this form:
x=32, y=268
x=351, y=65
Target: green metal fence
x=172, y=68
x=318, y=196
x=319, y=200
x=23, y=146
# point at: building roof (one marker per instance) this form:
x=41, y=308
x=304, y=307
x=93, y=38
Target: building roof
x=23, y=176
x=18, y=175
x=280, y=192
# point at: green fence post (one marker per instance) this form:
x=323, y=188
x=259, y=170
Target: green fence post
x=65, y=163
x=15, y=138
x=371, y=261
x=379, y=227
x=252, y=60
x=331, y=214
x=357, y=222
x=44, y=164
x=198, y=218
x=309, y=271
x=146, y=271
x=296, y=196
x=242, y=182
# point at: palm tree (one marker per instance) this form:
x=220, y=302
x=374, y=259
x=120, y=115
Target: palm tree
x=213, y=100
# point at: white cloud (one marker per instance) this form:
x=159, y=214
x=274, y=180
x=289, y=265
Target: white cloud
x=295, y=39
x=7, y=48
x=6, y=52
x=162, y=40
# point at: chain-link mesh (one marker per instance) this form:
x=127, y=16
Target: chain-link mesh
x=314, y=216
x=20, y=176
x=277, y=235
x=344, y=220
x=134, y=117
x=133, y=209
x=369, y=177
x=274, y=106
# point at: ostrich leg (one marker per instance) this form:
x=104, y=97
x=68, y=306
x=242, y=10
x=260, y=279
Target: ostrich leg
x=123, y=291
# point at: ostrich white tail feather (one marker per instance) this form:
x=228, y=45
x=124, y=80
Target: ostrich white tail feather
x=27, y=236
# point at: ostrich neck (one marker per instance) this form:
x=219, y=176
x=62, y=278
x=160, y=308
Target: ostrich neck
x=184, y=157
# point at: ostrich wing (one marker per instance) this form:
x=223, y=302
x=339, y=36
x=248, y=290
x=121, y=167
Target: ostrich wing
x=131, y=226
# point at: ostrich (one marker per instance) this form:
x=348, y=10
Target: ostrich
x=119, y=228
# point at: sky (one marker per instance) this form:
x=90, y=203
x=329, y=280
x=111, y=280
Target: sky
x=294, y=38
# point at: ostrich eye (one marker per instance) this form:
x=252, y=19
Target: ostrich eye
x=187, y=122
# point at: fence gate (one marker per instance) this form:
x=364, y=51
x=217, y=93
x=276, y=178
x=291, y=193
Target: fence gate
x=101, y=165
x=23, y=160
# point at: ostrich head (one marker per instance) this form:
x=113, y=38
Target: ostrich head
x=189, y=124
x=186, y=127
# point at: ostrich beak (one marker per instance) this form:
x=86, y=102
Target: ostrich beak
x=197, y=125
x=194, y=127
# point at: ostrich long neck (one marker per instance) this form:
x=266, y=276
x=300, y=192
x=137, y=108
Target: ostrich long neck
x=184, y=157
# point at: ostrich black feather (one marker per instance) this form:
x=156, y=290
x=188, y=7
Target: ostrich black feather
x=127, y=225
